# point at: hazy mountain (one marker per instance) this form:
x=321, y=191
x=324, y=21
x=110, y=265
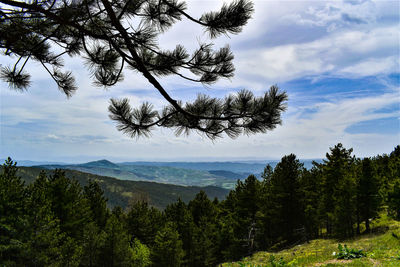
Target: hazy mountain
x=236, y=167
x=29, y=163
x=222, y=174
x=231, y=175
x=121, y=192
x=152, y=173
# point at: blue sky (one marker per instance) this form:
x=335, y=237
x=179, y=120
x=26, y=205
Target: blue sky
x=338, y=61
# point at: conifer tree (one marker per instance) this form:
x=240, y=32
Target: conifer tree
x=285, y=197
x=204, y=239
x=44, y=244
x=167, y=250
x=116, y=250
x=394, y=200
x=367, y=192
x=310, y=185
x=335, y=168
x=68, y=204
x=143, y=222
x=141, y=254
x=179, y=213
x=247, y=202
x=13, y=198
x=115, y=35
x=92, y=243
x=345, y=204
x=97, y=202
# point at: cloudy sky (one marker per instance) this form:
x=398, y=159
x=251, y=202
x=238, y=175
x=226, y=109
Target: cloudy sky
x=337, y=60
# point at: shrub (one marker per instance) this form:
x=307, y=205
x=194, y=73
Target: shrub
x=349, y=253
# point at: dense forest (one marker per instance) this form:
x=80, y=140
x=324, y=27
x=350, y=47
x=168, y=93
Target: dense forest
x=54, y=221
x=122, y=192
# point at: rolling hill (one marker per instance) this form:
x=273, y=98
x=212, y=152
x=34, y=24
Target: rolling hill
x=152, y=173
x=121, y=192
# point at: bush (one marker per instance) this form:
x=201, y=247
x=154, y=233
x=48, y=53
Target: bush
x=346, y=253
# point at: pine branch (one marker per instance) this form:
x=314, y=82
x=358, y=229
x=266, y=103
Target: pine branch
x=103, y=31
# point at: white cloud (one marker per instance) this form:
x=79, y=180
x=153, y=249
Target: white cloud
x=348, y=53
x=373, y=66
x=53, y=136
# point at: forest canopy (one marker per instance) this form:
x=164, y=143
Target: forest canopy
x=55, y=221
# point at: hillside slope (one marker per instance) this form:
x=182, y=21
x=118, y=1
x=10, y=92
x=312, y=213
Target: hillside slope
x=382, y=249
x=121, y=192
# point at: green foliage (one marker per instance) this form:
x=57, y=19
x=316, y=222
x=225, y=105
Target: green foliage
x=368, y=199
x=68, y=204
x=338, y=195
x=141, y=254
x=276, y=263
x=394, y=200
x=282, y=193
x=143, y=222
x=93, y=240
x=116, y=250
x=45, y=244
x=167, y=250
x=97, y=202
x=349, y=253
x=55, y=222
x=12, y=213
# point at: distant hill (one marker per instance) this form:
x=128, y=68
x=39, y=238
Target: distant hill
x=231, y=175
x=222, y=174
x=253, y=167
x=30, y=163
x=121, y=192
x=152, y=173
x=237, y=167
x=100, y=164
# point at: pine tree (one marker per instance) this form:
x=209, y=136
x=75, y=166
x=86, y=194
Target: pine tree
x=246, y=205
x=13, y=198
x=394, y=200
x=97, y=203
x=310, y=185
x=268, y=213
x=116, y=250
x=285, y=200
x=335, y=168
x=68, y=204
x=141, y=254
x=112, y=36
x=167, y=250
x=143, y=222
x=367, y=192
x=344, y=211
x=179, y=214
x=92, y=243
x=44, y=244
x=204, y=239
x=393, y=183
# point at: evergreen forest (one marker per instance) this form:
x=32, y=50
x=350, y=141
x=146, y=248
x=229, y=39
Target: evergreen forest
x=56, y=221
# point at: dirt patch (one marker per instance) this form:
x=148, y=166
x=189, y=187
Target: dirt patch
x=375, y=262
x=336, y=261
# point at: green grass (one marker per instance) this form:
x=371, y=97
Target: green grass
x=382, y=249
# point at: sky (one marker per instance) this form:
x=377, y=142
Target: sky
x=337, y=60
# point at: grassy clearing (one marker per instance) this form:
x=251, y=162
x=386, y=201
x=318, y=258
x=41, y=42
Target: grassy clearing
x=382, y=249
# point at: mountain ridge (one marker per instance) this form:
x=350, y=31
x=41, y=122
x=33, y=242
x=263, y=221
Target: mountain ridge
x=122, y=192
